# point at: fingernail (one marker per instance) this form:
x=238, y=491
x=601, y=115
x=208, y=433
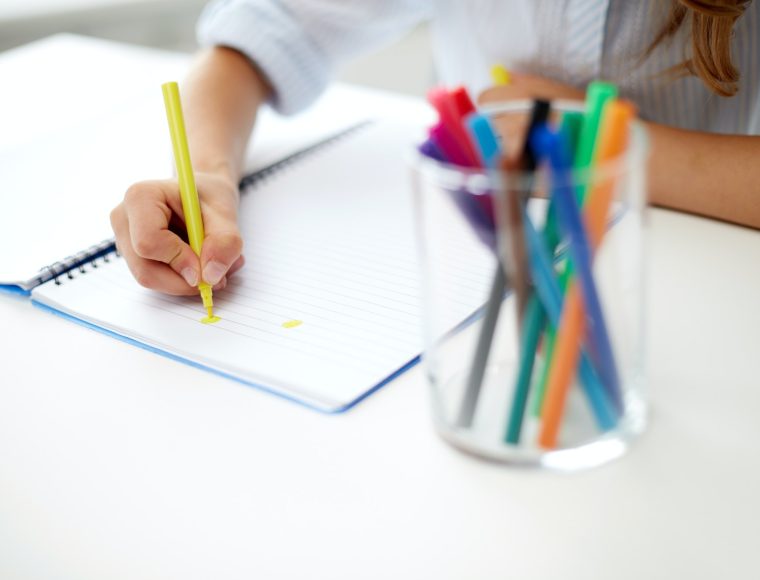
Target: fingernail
x=190, y=276
x=213, y=272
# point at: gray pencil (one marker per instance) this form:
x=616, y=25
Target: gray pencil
x=482, y=349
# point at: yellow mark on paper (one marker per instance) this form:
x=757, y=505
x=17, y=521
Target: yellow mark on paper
x=292, y=323
x=210, y=319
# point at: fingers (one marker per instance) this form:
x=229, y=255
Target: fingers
x=148, y=215
x=148, y=273
x=239, y=263
x=544, y=88
x=525, y=86
x=157, y=257
x=223, y=245
x=221, y=252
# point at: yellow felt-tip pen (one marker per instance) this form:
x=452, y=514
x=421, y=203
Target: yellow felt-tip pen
x=500, y=75
x=190, y=203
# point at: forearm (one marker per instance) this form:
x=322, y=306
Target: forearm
x=220, y=97
x=711, y=175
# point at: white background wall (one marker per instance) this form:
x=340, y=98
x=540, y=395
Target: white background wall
x=405, y=66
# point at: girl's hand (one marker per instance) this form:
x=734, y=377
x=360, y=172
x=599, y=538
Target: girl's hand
x=512, y=127
x=523, y=86
x=151, y=235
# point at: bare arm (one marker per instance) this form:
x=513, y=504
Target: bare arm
x=221, y=94
x=220, y=98
x=712, y=175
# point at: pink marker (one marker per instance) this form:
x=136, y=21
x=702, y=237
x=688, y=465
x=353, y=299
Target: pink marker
x=448, y=107
x=442, y=137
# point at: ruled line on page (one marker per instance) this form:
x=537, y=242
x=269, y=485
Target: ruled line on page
x=181, y=306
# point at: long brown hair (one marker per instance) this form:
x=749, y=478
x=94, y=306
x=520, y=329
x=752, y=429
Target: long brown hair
x=712, y=23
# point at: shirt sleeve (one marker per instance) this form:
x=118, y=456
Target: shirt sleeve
x=298, y=43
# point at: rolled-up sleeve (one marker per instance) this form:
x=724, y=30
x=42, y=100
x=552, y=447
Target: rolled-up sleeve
x=298, y=43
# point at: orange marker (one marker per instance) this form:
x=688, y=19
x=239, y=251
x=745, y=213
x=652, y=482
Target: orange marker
x=564, y=363
x=616, y=121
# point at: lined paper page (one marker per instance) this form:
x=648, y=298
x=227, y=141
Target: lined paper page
x=329, y=242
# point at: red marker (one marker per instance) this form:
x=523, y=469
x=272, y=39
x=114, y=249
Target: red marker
x=463, y=102
x=449, y=109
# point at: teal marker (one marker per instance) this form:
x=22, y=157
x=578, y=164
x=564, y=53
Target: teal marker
x=485, y=138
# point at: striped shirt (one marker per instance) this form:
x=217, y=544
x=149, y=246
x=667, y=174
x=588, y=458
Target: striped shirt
x=299, y=43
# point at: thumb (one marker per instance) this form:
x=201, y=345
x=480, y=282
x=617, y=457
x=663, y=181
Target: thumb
x=220, y=251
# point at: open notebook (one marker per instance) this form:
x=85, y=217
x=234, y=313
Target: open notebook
x=327, y=308
x=67, y=158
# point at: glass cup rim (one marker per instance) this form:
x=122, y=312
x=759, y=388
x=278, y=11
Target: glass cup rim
x=449, y=175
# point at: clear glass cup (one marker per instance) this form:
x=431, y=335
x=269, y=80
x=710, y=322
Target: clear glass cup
x=488, y=335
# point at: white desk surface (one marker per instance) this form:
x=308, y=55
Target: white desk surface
x=117, y=463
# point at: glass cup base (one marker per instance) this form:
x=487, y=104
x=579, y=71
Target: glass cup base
x=582, y=445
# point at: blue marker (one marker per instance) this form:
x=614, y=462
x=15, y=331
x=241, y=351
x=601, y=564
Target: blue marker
x=551, y=145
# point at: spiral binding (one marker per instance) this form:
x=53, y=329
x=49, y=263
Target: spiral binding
x=79, y=262
x=267, y=173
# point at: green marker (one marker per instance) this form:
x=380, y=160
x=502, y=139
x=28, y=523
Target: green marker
x=597, y=95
